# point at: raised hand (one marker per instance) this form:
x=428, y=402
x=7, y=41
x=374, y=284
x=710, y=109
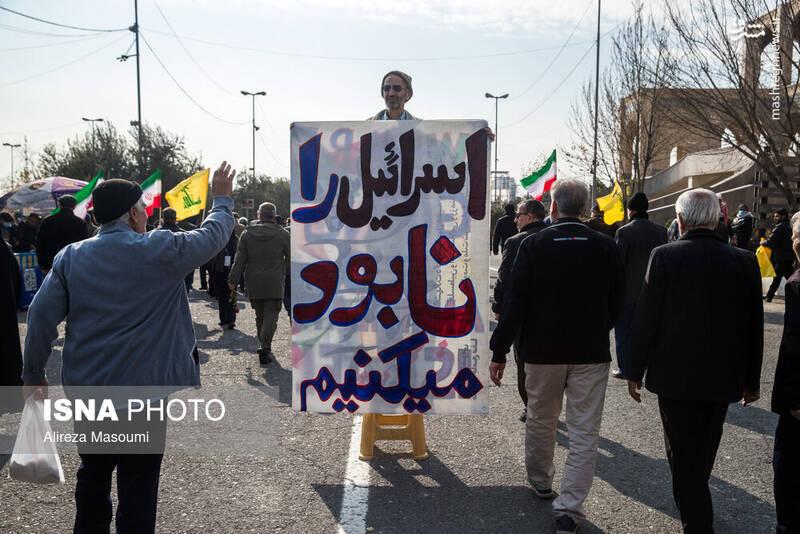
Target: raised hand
x=222, y=182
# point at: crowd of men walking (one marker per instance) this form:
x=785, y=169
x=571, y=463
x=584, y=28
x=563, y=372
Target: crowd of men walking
x=663, y=292
x=688, y=323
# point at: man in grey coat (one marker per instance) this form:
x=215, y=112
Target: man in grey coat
x=263, y=256
x=635, y=241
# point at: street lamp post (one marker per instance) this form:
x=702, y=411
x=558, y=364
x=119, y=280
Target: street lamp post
x=496, y=100
x=12, y=147
x=255, y=128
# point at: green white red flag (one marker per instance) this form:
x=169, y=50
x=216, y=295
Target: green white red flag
x=151, y=192
x=84, y=196
x=541, y=180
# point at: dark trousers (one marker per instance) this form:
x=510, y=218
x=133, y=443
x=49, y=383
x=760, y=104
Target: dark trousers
x=227, y=315
x=692, y=431
x=786, y=466
x=523, y=393
x=206, y=272
x=287, y=294
x=783, y=269
x=622, y=337
x=188, y=280
x=137, y=486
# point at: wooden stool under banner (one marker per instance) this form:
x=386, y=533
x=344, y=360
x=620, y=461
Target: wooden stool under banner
x=376, y=427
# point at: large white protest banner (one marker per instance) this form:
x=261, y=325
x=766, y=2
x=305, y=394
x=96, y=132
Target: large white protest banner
x=390, y=266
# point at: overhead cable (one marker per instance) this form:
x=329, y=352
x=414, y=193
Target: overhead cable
x=118, y=39
x=356, y=58
x=64, y=25
x=543, y=102
x=201, y=69
x=184, y=91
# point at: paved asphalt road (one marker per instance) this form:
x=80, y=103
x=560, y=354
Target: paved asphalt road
x=474, y=480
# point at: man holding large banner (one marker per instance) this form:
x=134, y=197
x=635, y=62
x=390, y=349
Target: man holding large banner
x=390, y=283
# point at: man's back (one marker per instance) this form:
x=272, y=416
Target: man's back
x=635, y=241
x=699, y=322
x=56, y=232
x=263, y=255
x=503, y=229
x=127, y=313
x=558, y=272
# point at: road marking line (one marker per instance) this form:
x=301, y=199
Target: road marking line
x=353, y=518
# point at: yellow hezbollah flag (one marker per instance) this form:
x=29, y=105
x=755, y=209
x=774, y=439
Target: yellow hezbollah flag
x=189, y=197
x=613, y=209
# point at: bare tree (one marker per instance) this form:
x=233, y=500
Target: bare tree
x=630, y=134
x=717, y=90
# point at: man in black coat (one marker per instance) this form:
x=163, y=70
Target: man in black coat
x=782, y=257
x=59, y=230
x=635, y=241
x=503, y=229
x=742, y=227
x=564, y=350
x=697, y=361
x=529, y=219
x=10, y=352
x=786, y=403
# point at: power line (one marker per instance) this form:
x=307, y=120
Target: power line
x=186, y=93
x=263, y=142
x=201, y=69
x=264, y=118
x=17, y=29
x=81, y=39
x=356, y=58
x=115, y=41
x=555, y=58
x=64, y=25
x=542, y=103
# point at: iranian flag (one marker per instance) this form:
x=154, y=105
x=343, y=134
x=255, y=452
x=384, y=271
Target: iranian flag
x=151, y=192
x=84, y=196
x=542, y=180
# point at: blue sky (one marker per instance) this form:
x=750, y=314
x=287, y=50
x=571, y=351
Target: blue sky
x=316, y=59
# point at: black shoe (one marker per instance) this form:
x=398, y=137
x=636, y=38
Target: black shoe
x=565, y=525
x=264, y=356
x=546, y=493
x=619, y=374
x=230, y=326
x=768, y=299
x=524, y=416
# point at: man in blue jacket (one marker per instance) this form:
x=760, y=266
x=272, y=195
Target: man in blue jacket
x=123, y=297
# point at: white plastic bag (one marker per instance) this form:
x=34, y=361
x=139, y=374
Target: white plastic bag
x=34, y=459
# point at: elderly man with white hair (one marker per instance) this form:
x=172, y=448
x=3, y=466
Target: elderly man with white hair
x=123, y=297
x=557, y=270
x=698, y=334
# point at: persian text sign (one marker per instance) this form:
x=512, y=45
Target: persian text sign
x=390, y=267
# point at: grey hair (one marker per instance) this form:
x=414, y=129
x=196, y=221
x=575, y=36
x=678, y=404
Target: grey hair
x=571, y=196
x=266, y=210
x=125, y=217
x=697, y=208
x=796, y=224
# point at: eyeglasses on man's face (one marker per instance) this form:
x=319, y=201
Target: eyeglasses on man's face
x=397, y=88
x=520, y=214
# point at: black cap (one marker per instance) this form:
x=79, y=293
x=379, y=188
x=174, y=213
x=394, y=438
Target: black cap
x=638, y=202
x=113, y=198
